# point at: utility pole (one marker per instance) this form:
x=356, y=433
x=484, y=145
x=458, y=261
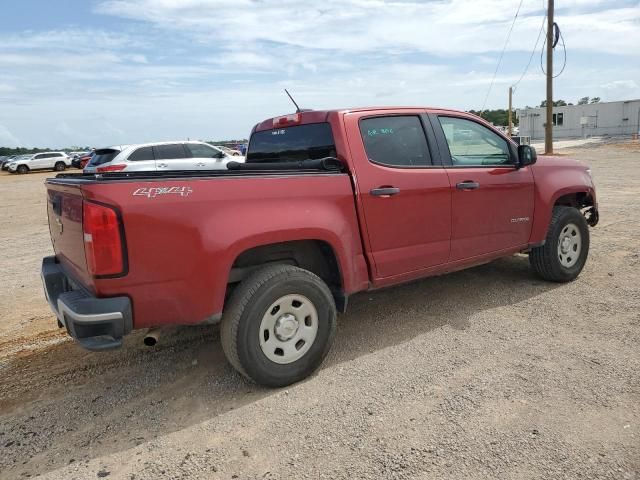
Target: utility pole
x=510, y=98
x=548, y=130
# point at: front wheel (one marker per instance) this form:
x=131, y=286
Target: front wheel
x=22, y=169
x=279, y=325
x=60, y=167
x=564, y=254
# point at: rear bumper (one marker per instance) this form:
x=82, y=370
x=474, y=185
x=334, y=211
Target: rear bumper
x=96, y=323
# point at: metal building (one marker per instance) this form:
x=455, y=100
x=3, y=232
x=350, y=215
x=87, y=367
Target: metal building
x=573, y=121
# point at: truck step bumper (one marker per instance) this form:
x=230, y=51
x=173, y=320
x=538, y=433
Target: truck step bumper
x=96, y=323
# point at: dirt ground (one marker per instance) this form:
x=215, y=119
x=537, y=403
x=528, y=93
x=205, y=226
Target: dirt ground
x=485, y=373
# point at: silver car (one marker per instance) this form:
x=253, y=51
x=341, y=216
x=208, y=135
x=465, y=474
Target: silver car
x=159, y=156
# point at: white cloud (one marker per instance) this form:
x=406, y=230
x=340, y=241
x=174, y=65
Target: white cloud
x=8, y=139
x=621, y=84
x=455, y=27
x=211, y=69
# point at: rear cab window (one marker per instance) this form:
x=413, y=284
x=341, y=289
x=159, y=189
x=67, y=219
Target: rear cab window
x=310, y=141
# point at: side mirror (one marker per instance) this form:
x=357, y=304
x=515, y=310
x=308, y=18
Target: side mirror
x=219, y=155
x=526, y=155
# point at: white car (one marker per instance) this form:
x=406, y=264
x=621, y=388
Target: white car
x=57, y=161
x=160, y=156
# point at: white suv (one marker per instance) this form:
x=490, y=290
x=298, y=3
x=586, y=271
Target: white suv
x=57, y=161
x=159, y=156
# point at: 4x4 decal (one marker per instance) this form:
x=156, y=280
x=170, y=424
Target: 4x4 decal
x=153, y=192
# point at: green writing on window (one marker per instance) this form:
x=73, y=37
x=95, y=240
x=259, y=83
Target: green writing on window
x=382, y=131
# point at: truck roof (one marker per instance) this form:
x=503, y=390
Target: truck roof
x=314, y=116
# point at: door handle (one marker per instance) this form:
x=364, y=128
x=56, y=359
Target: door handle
x=468, y=185
x=162, y=165
x=384, y=191
x=201, y=165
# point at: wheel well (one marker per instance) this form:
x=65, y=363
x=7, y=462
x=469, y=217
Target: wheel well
x=314, y=255
x=577, y=200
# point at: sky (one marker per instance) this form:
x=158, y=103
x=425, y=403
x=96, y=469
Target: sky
x=106, y=72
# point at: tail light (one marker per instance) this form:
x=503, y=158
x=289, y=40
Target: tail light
x=111, y=168
x=103, y=245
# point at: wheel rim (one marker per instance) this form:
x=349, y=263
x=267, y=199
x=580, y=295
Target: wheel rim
x=569, y=245
x=288, y=328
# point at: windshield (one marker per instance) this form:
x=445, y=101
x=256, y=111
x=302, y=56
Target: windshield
x=302, y=142
x=102, y=156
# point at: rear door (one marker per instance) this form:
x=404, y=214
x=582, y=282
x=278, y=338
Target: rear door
x=404, y=191
x=173, y=156
x=492, y=199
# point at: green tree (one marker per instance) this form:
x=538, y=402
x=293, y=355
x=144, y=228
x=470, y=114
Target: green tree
x=499, y=116
x=595, y=100
x=557, y=103
x=583, y=101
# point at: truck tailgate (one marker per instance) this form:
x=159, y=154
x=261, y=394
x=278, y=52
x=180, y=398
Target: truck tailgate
x=64, y=211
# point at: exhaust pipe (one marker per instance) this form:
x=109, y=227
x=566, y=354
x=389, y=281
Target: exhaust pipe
x=151, y=337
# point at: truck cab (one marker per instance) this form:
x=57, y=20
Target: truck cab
x=327, y=204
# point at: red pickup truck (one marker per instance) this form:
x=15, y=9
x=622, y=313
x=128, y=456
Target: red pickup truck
x=329, y=203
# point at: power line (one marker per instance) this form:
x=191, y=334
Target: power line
x=500, y=59
x=533, y=52
x=564, y=49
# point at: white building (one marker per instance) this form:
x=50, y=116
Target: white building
x=593, y=119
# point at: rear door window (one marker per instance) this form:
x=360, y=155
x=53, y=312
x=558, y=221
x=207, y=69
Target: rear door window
x=302, y=142
x=395, y=141
x=144, y=153
x=170, y=152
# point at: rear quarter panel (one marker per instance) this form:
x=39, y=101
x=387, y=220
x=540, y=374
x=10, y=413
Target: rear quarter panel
x=181, y=248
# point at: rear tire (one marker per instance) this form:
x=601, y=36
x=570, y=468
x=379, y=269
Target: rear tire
x=60, y=167
x=22, y=169
x=564, y=254
x=279, y=325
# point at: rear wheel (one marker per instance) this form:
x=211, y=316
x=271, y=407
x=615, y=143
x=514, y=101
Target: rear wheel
x=60, y=167
x=564, y=254
x=22, y=169
x=279, y=325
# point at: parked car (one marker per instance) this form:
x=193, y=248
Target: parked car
x=229, y=151
x=4, y=163
x=82, y=160
x=160, y=156
x=57, y=161
x=329, y=203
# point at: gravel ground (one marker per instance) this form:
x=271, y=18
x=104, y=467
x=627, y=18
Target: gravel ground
x=485, y=373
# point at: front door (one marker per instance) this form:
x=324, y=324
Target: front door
x=173, y=156
x=206, y=157
x=41, y=160
x=492, y=199
x=404, y=193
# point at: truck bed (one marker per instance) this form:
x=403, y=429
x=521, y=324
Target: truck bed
x=183, y=231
